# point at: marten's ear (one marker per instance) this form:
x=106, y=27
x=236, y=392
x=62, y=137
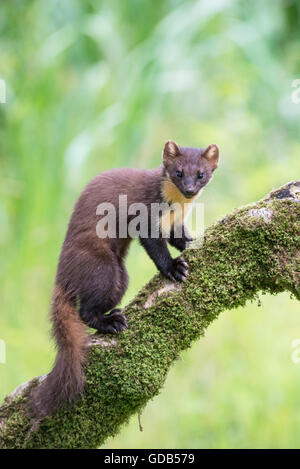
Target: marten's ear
x=171, y=150
x=211, y=154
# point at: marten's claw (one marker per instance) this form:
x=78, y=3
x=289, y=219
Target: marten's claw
x=171, y=277
x=114, y=322
x=181, y=261
x=179, y=272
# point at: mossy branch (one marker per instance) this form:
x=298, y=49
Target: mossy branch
x=256, y=248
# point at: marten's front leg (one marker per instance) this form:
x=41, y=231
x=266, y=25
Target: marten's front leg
x=180, y=242
x=173, y=269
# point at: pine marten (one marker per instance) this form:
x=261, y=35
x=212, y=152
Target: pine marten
x=91, y=277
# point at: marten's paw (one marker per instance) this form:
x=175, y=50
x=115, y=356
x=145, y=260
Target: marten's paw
x=113, y=322
x=179, y=270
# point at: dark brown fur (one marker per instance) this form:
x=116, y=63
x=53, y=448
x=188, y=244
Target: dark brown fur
x=91, y=275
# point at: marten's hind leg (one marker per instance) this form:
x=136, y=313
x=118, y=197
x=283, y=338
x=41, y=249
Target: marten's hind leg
x=112, y=322
x=101, y=293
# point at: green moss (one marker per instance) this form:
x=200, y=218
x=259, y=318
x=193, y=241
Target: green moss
x=240, y=257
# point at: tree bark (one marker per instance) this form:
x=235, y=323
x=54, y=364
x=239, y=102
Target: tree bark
x=256, y=248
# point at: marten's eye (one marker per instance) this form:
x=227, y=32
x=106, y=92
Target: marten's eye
x=179, y=174
x=201, y=175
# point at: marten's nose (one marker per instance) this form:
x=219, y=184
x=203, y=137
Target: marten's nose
x=189, y=192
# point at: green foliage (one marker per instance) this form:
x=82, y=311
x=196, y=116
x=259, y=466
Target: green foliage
x=97, y=84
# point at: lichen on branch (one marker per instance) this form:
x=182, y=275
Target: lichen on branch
x=255, y=248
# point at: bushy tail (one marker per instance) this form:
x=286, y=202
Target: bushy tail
x=66, y=380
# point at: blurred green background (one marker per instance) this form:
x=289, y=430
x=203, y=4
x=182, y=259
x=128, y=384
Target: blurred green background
x=99, y=84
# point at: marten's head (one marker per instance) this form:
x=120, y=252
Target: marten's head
x=189, y=169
